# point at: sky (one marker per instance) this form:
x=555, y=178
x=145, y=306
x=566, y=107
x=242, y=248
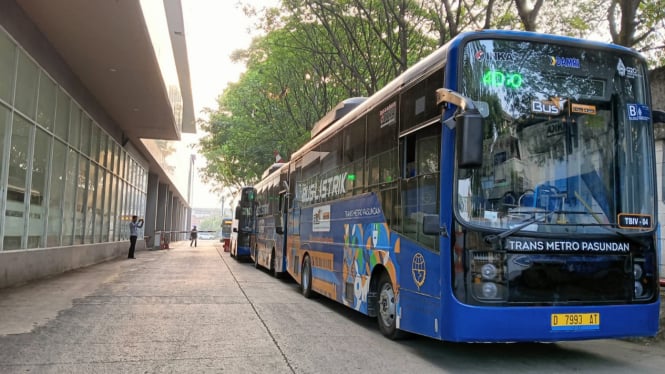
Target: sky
x=213, y=30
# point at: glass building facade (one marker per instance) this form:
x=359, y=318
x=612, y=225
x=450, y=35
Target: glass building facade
x=64, y=180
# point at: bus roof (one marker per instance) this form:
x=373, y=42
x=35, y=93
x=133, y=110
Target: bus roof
x=339, y=111
x=437, y=59
x=272, y=168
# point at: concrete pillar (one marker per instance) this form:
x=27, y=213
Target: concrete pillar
x=183, y=222
x=187, y=211
x=168, y=223
x=151, y=210
x=160, y=222
x=176, y=217
x=161, y=207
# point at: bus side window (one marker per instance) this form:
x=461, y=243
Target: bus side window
x=420, y=156
x=353, y=157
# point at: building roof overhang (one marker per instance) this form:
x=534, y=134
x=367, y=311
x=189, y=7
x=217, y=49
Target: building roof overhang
x=108, y=46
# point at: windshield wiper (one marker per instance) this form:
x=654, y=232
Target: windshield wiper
x=494, y=239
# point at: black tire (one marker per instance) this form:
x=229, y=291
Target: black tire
x=272, y=263
x=256, y=258
x=306, y=278
x=387, y=309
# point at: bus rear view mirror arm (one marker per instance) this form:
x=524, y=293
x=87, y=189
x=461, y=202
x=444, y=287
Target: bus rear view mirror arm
x=445, y=96
x=468, y=127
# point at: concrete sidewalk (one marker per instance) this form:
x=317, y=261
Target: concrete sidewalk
x=178, y=310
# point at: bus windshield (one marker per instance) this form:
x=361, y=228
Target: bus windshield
x=568, y=139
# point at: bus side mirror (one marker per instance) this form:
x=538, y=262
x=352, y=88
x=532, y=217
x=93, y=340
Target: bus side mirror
x=469, y=143
x=468, y=126
x=237, y=214
x=431, y=224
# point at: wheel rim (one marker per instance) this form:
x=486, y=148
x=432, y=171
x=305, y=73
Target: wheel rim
x=387, y=305
x=305, y=276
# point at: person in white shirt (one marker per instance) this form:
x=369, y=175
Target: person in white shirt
x=133, y=234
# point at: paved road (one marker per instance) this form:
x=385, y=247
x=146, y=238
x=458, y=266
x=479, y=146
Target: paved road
x=196, y=310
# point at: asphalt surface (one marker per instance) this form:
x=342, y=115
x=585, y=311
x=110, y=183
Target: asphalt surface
x=197, y=310
x=174, y=310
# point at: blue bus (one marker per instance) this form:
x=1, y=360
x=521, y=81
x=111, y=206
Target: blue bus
x=225, y=233
x=502, y=189
x=244, y=221
x=271, y=203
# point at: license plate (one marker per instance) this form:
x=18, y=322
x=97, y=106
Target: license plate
x=576, y=321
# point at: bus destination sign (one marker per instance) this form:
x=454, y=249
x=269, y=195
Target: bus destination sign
x=567, y=246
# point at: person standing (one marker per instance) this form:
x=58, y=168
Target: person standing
x=133, y=234
x=192, y=236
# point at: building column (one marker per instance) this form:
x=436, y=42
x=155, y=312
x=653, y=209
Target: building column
x=187, y=211
x=151, y=210
x=174, y=218
x=168, y=223
x=160, y=223
x=183, y=219
x=177, y=218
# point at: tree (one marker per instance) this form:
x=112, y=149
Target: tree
x=528, y=15
x=638, y=24
x=292, y=80
x=211, y=223
x=365, y=43
x=315, y=53
x=272, y=107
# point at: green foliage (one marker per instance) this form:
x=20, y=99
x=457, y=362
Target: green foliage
x=316, y=53
x=323, y=53
x=212, y=223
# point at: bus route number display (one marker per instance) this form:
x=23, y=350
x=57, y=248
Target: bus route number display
x=497, y=78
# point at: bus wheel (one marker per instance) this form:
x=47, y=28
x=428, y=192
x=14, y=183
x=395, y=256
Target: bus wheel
x=387, y=316
x=306, y=278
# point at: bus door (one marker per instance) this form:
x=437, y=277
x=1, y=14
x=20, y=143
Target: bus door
x=293, y=223
x=281, y=227
x=419, y=256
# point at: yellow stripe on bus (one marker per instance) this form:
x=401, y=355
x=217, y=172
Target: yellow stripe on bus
x=326, y=289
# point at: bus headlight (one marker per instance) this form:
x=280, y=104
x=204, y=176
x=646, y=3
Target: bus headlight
x=637, y=271
x=488, y=271
x=490, y=290
x=642, y=277
x=488, y=275
x=639, y=289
